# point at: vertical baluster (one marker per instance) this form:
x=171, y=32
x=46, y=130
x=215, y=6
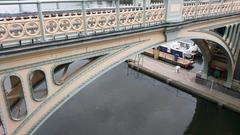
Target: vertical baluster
x=144, y=12
x=117, y=3
x=84, y=18
x=41, y=20
x=57, y=5
x=196, y=7
x=20, y=7
x=209, y=7
x=232, y=6
x=165, y=8
x=222, y=6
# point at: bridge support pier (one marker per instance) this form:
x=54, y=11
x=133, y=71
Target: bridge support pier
x=174, y=10
x=156, y=53
x=236, y=79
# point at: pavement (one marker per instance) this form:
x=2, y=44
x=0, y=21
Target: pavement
x=185, y=80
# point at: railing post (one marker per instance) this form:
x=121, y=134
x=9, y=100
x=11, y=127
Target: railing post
x=221, y=10
x=57, y=5
x=232, y=6
x=174, y=10
x=84, y=18
x=144, y=12
x=41, y=20
x=165, y=7
x=209, y=7
x=117, y=3
x=20, y=7
x=196, y=7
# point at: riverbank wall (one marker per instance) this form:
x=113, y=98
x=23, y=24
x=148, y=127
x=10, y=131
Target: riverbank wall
x=221, y=101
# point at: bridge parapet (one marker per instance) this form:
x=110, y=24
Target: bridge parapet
x=43, y=26
x=208, y=8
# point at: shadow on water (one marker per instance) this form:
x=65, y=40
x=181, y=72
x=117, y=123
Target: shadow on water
x=124, y=102
x=211, y=120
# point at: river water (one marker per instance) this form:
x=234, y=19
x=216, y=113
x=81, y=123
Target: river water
x=124, y=102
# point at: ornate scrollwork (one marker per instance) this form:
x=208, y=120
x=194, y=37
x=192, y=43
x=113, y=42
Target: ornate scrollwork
x=16, y=30
x=3, y=32
x=149, y=16
x=61, y=24
x=155, y=15
x=102, y=21
x=77, y=24
x=51, y=26
x=65, y=25
x=112, y=20
x=92, y=22
x=123, y=19
x=131, y=18
x=32, y=28
x=138, y=17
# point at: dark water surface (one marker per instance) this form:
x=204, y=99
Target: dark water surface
x=123, y=102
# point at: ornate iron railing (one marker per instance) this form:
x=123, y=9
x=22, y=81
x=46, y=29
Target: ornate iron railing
x=203, y=8
x=43, y=26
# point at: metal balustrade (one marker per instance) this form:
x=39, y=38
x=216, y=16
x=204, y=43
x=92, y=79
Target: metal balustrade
x=42, y=26
x=203, y=8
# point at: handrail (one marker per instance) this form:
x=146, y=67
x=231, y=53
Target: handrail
x=14, y=2
x=41, y=26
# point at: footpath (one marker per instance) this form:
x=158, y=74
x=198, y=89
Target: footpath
x=184, y=80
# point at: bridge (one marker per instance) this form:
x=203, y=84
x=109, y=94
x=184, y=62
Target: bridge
x=47, y=56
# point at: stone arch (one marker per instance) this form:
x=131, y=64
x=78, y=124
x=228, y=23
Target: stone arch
x=206, y=54
x=79, y=81
x=217, y=39
x=72, y=86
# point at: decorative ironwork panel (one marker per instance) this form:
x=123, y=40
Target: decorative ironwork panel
x=203, y=8
x=101, y=20
x=65, y=22
x=12, y=29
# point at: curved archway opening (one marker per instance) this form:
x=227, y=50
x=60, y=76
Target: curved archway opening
x=38, y=85
x=214, y=61
x=15, y=97
x=220, y=65
x=64, y=71
x=191, y=55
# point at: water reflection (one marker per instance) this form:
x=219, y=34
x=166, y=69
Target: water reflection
x=121, y=102
x=212, y=120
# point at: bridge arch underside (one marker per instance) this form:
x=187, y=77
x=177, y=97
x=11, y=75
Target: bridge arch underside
x=105, y=63
x=214, y=57
x=207, y=42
